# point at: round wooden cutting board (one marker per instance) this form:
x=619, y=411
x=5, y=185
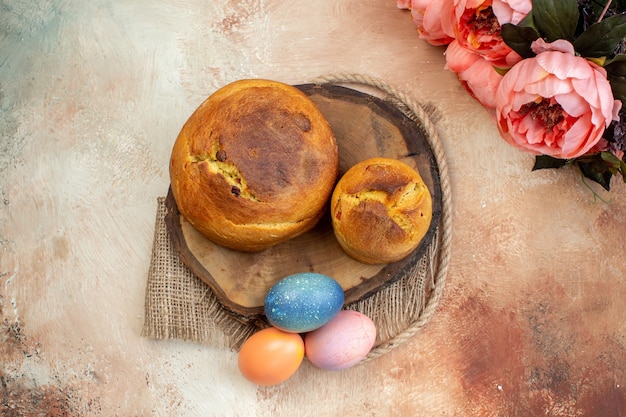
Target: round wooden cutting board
x=365, y=126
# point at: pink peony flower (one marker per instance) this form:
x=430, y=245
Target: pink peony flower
x=555, y=103
x=433, y=19
x=478, y=24
x=561, y=45
x=511, y=11
x=475, y=73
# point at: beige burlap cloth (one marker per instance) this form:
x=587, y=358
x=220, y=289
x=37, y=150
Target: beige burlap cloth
x=179, y=305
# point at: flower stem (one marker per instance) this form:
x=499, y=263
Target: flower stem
x=606, y=7
x=596, y=196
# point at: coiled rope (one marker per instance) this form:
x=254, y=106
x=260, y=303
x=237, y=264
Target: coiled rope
x=418, y=114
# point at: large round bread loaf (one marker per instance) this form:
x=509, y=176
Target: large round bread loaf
x=381, y=210
x=254, y=165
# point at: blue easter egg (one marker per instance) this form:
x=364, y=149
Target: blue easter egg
x=303, y=302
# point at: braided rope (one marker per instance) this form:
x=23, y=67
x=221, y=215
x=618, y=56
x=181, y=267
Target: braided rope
x=418, y=114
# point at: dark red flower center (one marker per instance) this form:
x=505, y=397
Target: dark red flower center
x=484, y=21
x=547, y=111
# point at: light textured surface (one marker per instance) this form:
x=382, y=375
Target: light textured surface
x=92, y=96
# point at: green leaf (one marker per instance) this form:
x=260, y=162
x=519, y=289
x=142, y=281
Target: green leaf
x=618, y=165
x=618, y=86
x=519, y=38
x=501, y=71
x=528, y=21
x=610, y=158
x=616, y=65
x=601, y=39
x=547, y=162
x=599, y=167
x=597, y=171
x=556, y=19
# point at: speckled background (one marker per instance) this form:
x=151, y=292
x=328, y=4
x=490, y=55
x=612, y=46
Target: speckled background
x=92, y=96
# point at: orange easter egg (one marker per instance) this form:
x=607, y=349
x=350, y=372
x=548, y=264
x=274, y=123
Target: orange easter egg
x=270, y=356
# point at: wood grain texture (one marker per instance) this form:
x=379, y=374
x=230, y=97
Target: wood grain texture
x=365, y=126
x=93, y=95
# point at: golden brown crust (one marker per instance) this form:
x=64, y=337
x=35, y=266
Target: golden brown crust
x=381, y=210
x=254, y=165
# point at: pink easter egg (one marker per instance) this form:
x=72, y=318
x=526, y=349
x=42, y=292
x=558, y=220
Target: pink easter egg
x=341, y=343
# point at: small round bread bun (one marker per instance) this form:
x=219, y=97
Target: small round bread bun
x=380, y=210
x=254, y=165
